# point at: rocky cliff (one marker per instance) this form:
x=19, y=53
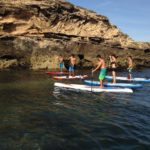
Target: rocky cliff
x=34, y=32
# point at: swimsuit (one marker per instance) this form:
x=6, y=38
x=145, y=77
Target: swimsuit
x=113, y=69
x=130, y=70
x=61, y=65
x=71, y=67
x=102, y=74
x=113, y=62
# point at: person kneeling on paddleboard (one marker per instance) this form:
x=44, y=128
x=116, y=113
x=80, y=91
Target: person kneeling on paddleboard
x=101, y=65
x=72, y=65
x=61, y=62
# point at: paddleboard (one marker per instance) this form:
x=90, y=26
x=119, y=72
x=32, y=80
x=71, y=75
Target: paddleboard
x=126, y=79
x=124, y=85
x=56, y=73
x=78, y=87
x=70, y=77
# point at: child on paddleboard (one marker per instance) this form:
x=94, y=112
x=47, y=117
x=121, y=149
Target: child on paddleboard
x=130, y=66
x=72, y=59
x=61, y=62
x=101, y=65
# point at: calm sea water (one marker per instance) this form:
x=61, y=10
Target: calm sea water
x=36, y=116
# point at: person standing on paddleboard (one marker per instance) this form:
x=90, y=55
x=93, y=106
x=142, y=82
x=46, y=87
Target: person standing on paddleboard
x=113, y=66
x=102, y=66
x=130, y=66
x=72, y=59
x=61, y=62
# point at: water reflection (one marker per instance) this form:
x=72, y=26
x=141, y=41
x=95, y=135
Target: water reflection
x=35, y=115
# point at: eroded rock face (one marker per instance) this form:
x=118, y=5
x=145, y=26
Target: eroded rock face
x=34, y=32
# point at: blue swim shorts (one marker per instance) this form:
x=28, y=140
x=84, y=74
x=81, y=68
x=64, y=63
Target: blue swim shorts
x=71, y=68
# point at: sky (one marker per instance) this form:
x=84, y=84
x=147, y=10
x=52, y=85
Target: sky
x=130, y=16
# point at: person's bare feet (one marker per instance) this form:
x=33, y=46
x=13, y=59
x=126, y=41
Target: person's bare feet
x=113, y=82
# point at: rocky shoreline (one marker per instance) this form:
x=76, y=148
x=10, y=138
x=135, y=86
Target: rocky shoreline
x=33, y=33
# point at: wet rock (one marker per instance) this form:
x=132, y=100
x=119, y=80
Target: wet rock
x=35, y=32
x=8, y=63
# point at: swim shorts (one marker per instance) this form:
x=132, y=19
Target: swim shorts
x=61, y=65
x=102, y=74
x=130, y=70
x=71, y=68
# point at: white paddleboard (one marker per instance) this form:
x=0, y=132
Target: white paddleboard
x=79, y=87
x=126, y=79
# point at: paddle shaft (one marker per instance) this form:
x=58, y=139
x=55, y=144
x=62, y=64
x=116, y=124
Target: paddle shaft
x=91, y=79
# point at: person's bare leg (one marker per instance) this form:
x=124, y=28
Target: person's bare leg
x=130, y=77
x=73, y=74
x=114, y=76
x=101, y=84
x=69, y=73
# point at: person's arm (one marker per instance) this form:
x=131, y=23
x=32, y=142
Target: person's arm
x=114, y=59
x=58, y=60
x=110, y=60
x=130, y=64
x=75, y=60
x=98, y=66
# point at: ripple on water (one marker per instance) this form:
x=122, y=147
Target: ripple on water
x=36, y=115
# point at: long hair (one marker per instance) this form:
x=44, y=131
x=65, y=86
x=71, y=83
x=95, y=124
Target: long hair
x=99, y=56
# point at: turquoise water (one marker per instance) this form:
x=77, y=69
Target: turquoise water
x=36, y=116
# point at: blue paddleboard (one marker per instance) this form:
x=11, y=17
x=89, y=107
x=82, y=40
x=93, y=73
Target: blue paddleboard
x=123, y=85
x=146, y=80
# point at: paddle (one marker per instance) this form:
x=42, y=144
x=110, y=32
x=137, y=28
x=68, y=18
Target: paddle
x=91, y=79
